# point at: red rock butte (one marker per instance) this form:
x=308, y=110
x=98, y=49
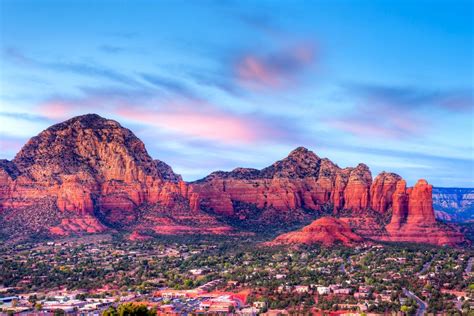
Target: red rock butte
x=327, y=231
x=90, y=175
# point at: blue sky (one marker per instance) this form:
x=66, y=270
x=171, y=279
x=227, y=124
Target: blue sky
x=213, y=85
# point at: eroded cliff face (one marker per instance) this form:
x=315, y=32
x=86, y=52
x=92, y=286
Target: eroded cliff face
x=305, y=181
x=90, y=175
x=86, y=168
x=413, y=218
x=382, y=190
x=302, y=180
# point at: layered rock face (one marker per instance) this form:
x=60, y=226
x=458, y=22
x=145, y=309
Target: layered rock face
x=382, y=190
x=89, y=175
x=302, y=180
x=413, y=218
x=305, y=181
x=89, y=167
x=327, y=231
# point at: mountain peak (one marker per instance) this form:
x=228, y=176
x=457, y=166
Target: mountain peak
x=301, y=152
x=91, y=121
x=300, y=163
x=86, y=143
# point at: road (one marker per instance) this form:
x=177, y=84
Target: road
x=342, y=267
x=422, y=306
x=426, y=266
x=469, y=265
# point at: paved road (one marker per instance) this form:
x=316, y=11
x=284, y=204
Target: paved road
x=469, y=265
x=426, y=266
x=422, y=306
x=342, y=268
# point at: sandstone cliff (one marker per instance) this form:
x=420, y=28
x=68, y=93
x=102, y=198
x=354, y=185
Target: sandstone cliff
x=84, y=175
x=90, y=175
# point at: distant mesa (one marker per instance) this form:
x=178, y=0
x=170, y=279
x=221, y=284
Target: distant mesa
x=91, y=175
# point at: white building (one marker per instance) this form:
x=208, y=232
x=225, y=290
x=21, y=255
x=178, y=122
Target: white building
x=323, y=290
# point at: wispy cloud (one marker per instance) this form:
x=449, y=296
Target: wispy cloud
x=379, y=121
x=198, y=120
x=221, y=81
x=89, y=69
x=17, y=56
x=175, y=86
x=194, y=118
x=397, y=112
x=93, y=99
x=111, y=49
x=277, y=69
x=262, y=23
x=415, y=97
x=24, y=116
x=10, y=145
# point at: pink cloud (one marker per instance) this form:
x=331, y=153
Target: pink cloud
x=276, y=70
x=253, y=69
x=56, y=109
x=379, y=121
x=93, y=100
x=202, y=121
x=11, y=145
x=192, y=119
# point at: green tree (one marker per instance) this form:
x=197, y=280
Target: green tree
x=133, y=309
x=111, y=311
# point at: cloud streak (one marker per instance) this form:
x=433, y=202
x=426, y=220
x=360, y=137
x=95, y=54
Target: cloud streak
x=170, y=84
x=379, y=121
x=413, y=97
x=90, y=70
x=396, y=112
x=198, y=120
x=276, y=70
x=194, y=119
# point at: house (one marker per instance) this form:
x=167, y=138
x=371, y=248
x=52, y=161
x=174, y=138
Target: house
x=221, y=304
x=342, y=291
x=198, y=271
x=260, y=304
x=359, y=295
x=302, y=289
x=249, y=311
x=283, y=288
x=323, y=290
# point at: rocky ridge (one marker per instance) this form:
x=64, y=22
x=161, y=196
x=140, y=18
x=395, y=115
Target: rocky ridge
x=90, y=175
x=86, y=175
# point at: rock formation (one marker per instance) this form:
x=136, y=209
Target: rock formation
x=413, y=218
x=399, y=205
x=327, y=231
x=302, y=180
x=90, y=175
x=382, y=190
x=94, y=171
